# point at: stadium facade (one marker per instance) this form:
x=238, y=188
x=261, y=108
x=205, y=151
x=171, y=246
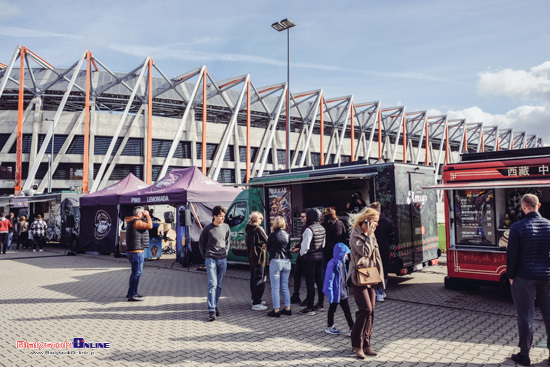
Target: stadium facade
x=86, y=127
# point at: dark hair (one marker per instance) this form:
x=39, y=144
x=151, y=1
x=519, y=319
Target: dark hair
x=375, y=205
x=330, y=214
x=217, y=210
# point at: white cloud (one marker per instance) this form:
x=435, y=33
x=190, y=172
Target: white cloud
x=534, y=83
x=531, y=85
x=18, y=32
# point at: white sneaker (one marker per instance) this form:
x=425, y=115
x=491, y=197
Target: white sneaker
x=349, y=333
x=379, y=298
x=252, y=303
x=332, y=330
x=259, y=307
x=41, y=250
x=33, y=250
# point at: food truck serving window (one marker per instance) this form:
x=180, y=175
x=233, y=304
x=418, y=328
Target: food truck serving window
x=475, y=217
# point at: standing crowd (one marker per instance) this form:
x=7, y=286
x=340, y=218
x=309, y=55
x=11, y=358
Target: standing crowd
x=24, y=235
x=323, y=258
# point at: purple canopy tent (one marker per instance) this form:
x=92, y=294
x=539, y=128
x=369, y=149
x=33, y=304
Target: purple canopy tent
x=186, y=189
x=99, y=213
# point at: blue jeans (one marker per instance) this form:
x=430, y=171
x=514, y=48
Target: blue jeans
x=215, y=271
x=10, y=237
x=524, y=292
x=136, y=261
x=279, y=271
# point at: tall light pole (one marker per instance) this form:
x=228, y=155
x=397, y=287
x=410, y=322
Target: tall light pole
x=280, y=26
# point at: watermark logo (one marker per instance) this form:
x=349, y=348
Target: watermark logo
x=80, y=343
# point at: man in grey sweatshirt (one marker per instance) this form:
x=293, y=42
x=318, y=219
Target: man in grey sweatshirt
x=213, y=245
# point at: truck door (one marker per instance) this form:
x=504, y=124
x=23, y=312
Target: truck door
x=236, y=218
x=422, y=203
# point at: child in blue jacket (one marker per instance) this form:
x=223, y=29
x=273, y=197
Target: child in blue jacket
x=335, y=287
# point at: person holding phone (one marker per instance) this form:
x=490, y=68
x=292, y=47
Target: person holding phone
x=137, y=239
x=364, y=253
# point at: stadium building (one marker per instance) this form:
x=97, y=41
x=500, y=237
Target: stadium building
x=85, y=127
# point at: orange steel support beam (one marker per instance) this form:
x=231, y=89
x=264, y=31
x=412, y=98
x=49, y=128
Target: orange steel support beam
x=498, y=142
x=19, y=143
x=379, y=133
x=149, y=154
x=352, y=135
x=85, y=189
x=204, y=121
x=247, y=177
x=404, y=138
x=322, y=132
x=482, y=142
x=465, y=140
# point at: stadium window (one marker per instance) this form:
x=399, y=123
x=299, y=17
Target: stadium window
x=59, y=140
x=134, y=147
x=101, y=145
x=3, y=139
x=226, y=175
x=315, y=159
x=76, y=146
x=27, y=139
x=242, y=153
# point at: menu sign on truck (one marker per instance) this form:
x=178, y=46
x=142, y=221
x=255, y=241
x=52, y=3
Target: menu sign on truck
x=475, y=217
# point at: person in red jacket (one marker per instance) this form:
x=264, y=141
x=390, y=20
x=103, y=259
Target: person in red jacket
x=5, y=226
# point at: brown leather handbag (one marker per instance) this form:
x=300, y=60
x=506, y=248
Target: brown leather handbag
x=367, y=276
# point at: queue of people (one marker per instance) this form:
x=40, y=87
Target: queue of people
x=19, y=233
x=324, y=277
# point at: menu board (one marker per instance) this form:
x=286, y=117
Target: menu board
x=475, y=217
x=279, y=205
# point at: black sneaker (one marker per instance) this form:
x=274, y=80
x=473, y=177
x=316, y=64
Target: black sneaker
x=136, y=299
x=272, y=313
x=318, y=308
x=212, y=316
x=304, y=303
x=308, y=311
x=295, y=298
x=139, y=295
x=521, y=359
x=217, y=312
x=285, y=312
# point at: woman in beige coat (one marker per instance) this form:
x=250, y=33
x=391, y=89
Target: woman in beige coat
x=364, y=253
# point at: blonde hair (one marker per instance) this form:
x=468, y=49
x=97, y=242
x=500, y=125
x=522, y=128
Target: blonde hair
x=355, y=220
x=254, y=216
x=279, y=222
x=530, y=201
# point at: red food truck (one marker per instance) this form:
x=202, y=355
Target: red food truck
x=482, y=197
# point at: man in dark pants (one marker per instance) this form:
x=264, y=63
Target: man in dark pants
x=256, y=246
x=384, y=236
x=311, y=250
x=528, y=268
x=137, y=239
x=298, y=268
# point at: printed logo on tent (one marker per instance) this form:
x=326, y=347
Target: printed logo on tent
x=102, y=224
x=168, y=180
x=208, y=181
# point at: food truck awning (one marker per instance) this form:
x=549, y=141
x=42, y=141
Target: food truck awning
x=310, y=179
x=507, y=184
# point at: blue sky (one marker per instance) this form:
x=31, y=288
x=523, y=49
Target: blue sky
x=483, y=60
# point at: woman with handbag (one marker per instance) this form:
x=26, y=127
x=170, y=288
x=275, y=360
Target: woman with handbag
x=365, y=268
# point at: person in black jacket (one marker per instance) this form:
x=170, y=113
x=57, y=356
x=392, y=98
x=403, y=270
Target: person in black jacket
x=528, y=269
x=311, y=250
x=137, y=239
x=256, y=241
x=278, y=245
x=384, y=236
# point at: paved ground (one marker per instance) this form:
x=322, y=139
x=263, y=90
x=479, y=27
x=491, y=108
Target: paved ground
x=48, y=297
